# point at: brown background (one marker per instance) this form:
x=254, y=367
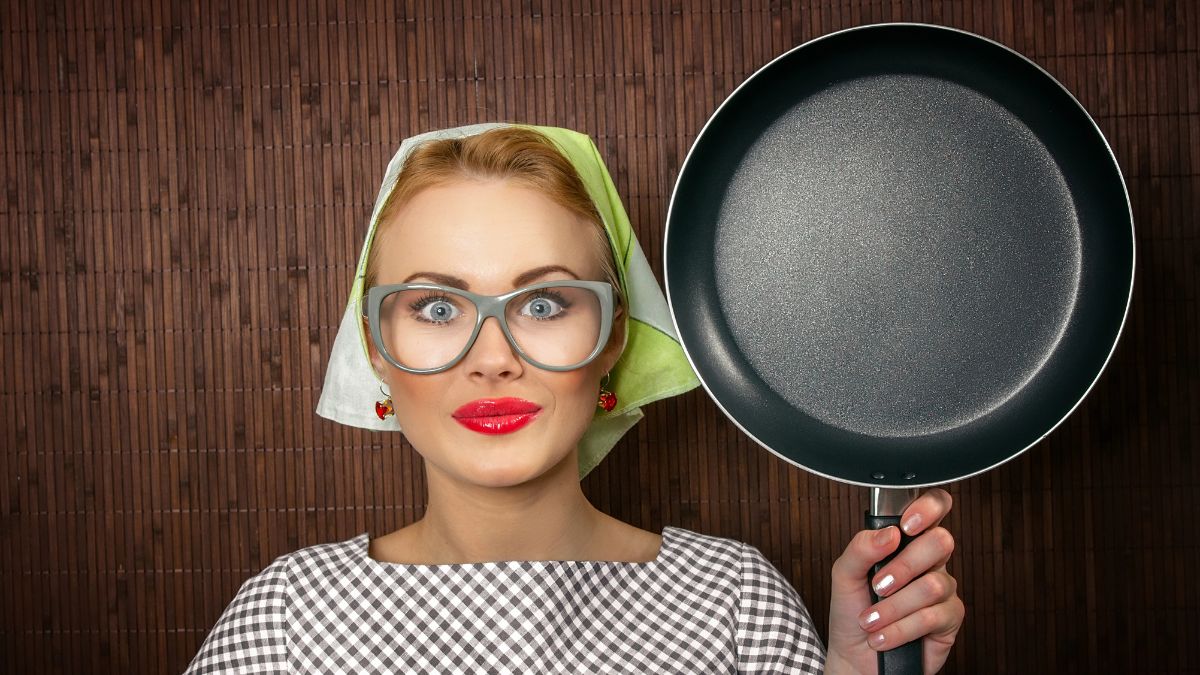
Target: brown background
x=185, y=189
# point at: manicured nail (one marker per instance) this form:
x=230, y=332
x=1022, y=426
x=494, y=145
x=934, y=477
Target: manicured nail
x=877, y=639
x=869, y=621
x=883, y=536
x=884, y=584
x=911, y=524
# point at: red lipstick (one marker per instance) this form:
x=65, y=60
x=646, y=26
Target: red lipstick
x=496, y=415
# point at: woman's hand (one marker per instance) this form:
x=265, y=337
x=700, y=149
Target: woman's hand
x=927, y=609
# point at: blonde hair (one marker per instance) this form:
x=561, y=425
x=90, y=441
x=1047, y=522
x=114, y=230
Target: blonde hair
x=522, y=155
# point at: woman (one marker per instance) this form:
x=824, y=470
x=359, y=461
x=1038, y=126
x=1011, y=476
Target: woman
x=511, y=569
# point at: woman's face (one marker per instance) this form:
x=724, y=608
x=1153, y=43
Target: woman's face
x=486, y=234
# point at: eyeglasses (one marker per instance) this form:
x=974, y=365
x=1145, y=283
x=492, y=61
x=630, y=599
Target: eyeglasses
x=427, y=328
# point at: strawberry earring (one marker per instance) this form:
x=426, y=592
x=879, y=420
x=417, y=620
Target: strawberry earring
x=608, y=400
x=384, y=408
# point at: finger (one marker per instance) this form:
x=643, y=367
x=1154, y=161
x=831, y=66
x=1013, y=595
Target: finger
x=929, y=550
x=867, y=547
x=932, y=588
x=940, y=622
x=926, y=511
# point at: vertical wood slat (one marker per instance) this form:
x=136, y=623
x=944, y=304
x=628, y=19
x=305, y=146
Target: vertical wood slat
x=185, y=192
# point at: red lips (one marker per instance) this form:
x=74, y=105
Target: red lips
x=496, y=415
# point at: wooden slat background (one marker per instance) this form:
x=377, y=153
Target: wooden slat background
x=185, y=188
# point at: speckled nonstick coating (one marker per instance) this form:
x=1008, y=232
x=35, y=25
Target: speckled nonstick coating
x=899, y=255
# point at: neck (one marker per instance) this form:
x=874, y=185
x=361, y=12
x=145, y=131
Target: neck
x=547, y=518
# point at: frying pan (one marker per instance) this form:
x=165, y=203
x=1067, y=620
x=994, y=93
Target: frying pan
x=897, y=256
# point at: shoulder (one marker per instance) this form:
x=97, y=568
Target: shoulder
x=331, y=558
x=295, y=570
x=703, y=564
x=704, y=550
x=774, y=631
x=747, y=574
x=774, y=627
x=741, y=560
x=251, y=633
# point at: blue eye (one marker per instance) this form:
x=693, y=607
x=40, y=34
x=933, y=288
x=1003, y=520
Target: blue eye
x=435, y=309
x=547, y=305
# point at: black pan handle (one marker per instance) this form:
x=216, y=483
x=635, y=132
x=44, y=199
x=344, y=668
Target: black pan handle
x=905, y=659
x=888, y=506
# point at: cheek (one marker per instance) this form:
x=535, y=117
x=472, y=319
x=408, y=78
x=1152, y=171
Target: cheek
x=416, y=399
x=576, y=395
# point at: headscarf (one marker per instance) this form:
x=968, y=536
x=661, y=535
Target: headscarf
x=652, y=366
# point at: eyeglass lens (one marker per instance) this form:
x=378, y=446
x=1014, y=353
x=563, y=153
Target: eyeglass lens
x=426, y=328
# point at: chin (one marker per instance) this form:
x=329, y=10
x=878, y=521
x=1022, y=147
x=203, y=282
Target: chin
x=500, y=467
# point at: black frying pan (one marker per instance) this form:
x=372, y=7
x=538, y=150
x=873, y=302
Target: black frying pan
x=897, y=256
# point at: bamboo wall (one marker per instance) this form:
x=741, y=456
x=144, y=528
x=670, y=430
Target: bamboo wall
x=186, y=186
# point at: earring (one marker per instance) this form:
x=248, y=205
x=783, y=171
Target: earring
x=384, y=408
x=608, y=400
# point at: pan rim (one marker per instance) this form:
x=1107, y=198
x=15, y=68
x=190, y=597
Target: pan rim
x=891, y=484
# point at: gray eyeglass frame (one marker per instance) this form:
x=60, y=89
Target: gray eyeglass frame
x=485, y=306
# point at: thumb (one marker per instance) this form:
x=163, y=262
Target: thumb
x=868, y=547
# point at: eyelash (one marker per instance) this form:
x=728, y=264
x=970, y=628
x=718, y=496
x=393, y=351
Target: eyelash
x=550, y=295
x=420, y=303
x=424, y=300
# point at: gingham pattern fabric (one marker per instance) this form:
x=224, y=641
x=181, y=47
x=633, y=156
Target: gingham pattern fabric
x=706, y=604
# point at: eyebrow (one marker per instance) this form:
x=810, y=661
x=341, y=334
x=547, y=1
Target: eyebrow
x=520, y=280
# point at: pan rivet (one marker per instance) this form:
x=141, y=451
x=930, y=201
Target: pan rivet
x=878, y=475
x=909, y=476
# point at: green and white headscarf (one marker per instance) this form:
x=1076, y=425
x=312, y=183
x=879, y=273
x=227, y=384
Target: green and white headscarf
x=652, y=367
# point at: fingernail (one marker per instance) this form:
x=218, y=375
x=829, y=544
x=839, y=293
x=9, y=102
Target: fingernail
x=911, y=524
x=884, y=584
x=877, y=639
x=869, y=620
x=883, y=536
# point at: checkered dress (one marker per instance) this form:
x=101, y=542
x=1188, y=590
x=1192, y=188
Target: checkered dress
x=706, y=604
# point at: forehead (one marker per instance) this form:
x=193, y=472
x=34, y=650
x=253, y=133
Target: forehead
x=484, y=232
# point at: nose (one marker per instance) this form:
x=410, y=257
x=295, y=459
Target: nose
x=492, y=356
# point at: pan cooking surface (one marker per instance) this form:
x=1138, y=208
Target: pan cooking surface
x=897, y=255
